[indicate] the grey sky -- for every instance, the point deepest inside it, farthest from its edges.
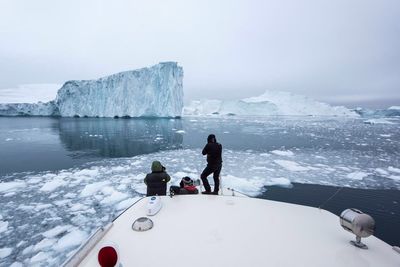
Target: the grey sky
(341, 51)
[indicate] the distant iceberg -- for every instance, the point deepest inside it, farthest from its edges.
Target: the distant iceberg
(148, 92)
(269, 103)
(29, 109)
(393, 111)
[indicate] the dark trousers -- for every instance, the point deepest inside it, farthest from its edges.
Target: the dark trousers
(216, 170)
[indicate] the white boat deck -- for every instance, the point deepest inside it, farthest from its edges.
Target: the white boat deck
(208, 230)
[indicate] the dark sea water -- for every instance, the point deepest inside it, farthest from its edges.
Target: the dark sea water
(71, 175)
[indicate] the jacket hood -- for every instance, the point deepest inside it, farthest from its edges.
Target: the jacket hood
(211, 138)
(157, 167)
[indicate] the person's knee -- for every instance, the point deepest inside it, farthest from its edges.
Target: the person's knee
(203, 176)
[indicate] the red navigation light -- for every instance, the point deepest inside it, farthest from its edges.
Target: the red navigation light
(107, 257)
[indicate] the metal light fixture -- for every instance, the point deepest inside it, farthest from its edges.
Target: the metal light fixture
(358, 223)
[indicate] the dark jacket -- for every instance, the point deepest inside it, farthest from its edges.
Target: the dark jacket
(157, 180)
(213, 150)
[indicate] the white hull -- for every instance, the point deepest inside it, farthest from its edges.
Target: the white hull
(208, 230)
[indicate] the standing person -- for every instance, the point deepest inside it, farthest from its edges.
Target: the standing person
(157, 180)
(213, 150)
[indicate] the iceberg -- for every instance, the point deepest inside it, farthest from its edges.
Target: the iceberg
(269, 103)
(29, 109)
(393, 111)
(156, 91)
(149, 92)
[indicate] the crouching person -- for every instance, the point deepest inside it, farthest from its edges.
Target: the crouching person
(186, 187)
(157, 180)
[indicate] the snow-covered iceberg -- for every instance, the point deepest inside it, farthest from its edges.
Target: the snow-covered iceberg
(269, 103)
(148, 92)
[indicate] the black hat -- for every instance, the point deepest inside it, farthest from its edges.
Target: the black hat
(187, 180)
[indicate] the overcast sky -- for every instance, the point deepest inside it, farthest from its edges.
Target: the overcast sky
(339, 51)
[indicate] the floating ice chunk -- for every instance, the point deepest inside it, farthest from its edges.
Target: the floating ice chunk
(62, 202)
(9, 139)
(344, 168)
(27, 250)
(72, 239)
(56, 231)
(114, 197)
(78, 207)
(284, 182)
(52, 185)
(20, 243)
(42, 207)
(126, 203)
(286, 153)
(180, 175)
(70, 195)
(8, 187)
(357, 175)
(394, 177)
(5, 252)
(386, 135)
(86, 173)
(378, 121)
(248, 186)
(45, 243)
(259, 168)
(393, 169)
(290, 165)
(118, 169)
(41, 256)
(381, 171)
(91, 189)
(180, 131)
(16, 264)
(3, 226)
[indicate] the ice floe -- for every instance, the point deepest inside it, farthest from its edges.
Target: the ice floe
(291, 165)
(357, 175)
(59, 229)
(287, 153)
(393, 169)
(73, 239)
(3, 226)
(5, 252)
(378, 121)
(11, 186)
(66, 206)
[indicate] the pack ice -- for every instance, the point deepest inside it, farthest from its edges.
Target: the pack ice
(269, 103)
(148, 92)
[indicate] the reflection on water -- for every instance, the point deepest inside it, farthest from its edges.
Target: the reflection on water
(40, 144)
(119, 137)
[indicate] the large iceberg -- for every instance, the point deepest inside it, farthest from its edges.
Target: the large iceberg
(269, 103)
(149, 92)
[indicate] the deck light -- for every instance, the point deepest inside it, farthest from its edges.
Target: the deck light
(358, 223)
